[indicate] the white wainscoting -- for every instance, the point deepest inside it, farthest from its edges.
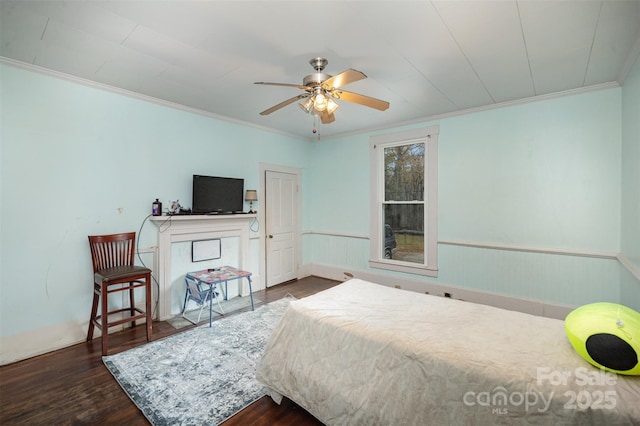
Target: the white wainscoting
(544, 281)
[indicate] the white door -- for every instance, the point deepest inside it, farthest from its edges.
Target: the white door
(281, 213)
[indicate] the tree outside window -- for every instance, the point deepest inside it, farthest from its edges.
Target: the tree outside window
(404, 200)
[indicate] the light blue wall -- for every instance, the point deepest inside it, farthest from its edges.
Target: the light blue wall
(631, 181)
(77, 161)
(543, 175)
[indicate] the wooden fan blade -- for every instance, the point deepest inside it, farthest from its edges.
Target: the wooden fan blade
(361, 99)
(326, 117)
(308, 89)
(283, 104)
(345, 77)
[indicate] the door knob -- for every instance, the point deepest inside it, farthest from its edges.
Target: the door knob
(270, 236)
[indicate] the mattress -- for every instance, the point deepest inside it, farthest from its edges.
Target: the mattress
(365, 354)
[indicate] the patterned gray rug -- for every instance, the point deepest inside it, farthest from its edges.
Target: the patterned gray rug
(201, 376)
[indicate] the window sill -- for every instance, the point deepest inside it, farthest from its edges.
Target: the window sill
(404, 267)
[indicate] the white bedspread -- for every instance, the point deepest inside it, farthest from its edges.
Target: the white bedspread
(365, 354)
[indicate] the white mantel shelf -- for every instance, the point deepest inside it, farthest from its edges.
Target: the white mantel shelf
(173, 229)
(201, 217)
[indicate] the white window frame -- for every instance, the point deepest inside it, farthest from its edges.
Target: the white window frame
(377, 144)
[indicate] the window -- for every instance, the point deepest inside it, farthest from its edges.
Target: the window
(404, 173)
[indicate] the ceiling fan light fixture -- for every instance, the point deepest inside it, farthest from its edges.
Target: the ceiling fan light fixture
(331, 106)
(306, 104)
(320, 102)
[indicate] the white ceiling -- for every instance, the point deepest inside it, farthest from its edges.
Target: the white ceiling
(426, 58)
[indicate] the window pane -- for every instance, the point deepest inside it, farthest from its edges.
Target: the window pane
(404, 232)
(404, 172)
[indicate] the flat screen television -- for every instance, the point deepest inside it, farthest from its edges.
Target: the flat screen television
(217, 195)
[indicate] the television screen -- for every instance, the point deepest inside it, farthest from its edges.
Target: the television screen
(217, 195)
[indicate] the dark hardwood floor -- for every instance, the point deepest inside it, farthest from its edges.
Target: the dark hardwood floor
(72, 386)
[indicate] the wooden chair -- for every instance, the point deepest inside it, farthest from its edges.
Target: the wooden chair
(114, 271)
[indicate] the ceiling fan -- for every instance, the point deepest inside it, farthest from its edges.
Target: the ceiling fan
(321, 89)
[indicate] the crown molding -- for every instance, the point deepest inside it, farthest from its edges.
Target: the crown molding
(422, 120)
(135, 95)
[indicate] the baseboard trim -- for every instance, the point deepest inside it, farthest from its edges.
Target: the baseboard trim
(42, 340)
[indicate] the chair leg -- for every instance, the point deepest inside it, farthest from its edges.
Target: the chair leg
(105, 320)
(94, 312)
(200, 313)
(186, 299)
(132, 303)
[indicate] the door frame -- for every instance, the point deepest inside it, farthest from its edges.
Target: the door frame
(263, 169)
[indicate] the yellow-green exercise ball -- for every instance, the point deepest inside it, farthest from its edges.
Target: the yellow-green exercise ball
(607, 335)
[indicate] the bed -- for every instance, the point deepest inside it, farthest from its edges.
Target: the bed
(366, 354)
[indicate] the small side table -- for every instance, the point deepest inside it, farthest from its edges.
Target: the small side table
(222, 274)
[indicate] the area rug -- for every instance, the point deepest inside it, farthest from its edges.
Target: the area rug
(201, 376)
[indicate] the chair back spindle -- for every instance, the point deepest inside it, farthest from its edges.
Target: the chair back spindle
(110, 251)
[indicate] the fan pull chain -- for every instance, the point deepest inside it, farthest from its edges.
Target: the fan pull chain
(316, 125)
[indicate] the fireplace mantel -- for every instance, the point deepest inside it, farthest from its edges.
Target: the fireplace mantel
(173, 229)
